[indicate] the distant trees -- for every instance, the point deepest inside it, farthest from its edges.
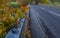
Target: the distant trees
(43, 1)
(55, 1)
(39, 1)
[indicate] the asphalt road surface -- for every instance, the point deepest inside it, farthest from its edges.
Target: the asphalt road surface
(45, 21)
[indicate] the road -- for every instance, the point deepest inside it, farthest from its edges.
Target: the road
(45, 21)
(52, 8)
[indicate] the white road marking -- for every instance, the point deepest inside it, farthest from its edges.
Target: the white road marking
(50, 11)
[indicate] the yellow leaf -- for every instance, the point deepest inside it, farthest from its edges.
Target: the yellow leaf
(0, 31)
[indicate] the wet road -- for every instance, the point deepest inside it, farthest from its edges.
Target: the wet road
(44, 21)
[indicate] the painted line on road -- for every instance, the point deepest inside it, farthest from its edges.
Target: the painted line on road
(41, 17)
(50, 11)
(37, 21)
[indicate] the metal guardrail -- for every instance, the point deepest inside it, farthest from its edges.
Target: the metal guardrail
(17, 32)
